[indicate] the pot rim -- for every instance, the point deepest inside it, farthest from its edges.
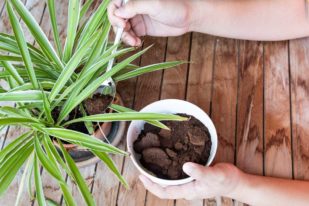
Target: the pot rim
(170, 106)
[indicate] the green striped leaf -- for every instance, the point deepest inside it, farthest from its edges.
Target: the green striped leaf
(85, 8)
(37, 32)
(38, 183)
(70, 67)
(73, 20)
(127, 116)
(21, 41)
(111, 165)
(13, 72)
(82, 139)
(93, 23)
(147, 69)
(22, 96)
(91, 88)
(11, 166)
(119, 108)
(77, 177)
(46, 162)
(53, 20)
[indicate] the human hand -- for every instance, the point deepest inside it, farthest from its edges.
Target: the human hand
(150, 17)
(219, 180)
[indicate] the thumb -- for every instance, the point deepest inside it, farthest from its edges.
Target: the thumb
(133, 8)
(197, 171)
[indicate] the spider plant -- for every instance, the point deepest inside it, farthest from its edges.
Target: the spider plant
(61, 76)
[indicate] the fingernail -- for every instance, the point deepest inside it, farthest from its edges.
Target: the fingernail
(138, 42)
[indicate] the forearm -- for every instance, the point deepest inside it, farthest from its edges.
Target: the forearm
(257, 190)
(251, 19)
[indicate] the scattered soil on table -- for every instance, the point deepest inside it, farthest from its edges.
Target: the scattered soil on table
(97, 104)
(164, 152)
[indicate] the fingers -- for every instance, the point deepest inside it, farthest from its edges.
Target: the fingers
(131, 39)
(132, 8)
(115, 20)
(170, 192)
(195, 171)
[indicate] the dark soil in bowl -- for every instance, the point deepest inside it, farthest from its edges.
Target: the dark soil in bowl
(97, 104)
(164, 152)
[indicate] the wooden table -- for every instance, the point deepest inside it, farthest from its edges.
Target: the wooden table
(256, 93)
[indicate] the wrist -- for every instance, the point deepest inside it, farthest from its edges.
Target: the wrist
(239, 184)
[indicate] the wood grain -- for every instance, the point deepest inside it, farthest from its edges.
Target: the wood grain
(147, 91)
(250, 108)
(299, 50)
(173, 87)
(277, 111)
(199, 87)
(200, 78)
(224, 101)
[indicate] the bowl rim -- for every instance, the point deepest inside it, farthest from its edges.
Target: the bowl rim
(144, 171)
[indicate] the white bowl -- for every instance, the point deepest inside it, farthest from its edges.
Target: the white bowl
(170, 106)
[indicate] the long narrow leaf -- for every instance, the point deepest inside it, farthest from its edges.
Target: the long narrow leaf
(70, 105)
(47, 110)
(128, 116)
(85, 8)
(82, 140)
(12, 167)
(84, 79)
(21, 188)
(53, 20)
(93, 23)
(119, 108)
(12, 71)
(70, 67)
(15, 121)
(21, 41)
(77, 177)
(22, 96)
(111, 165)
(73, 19)
(46, 163)
(147, 69)
(38, 183)
(15, 145)
(37, 32)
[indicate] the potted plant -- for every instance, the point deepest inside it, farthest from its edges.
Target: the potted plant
(52, 88)
(160, 154)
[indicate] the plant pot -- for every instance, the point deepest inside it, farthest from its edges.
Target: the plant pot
(113, 132)
(170, 106)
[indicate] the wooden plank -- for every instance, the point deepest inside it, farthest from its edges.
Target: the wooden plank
(173, 87)
(224, 101)
(10, 196)
(175, 82)
(147, 91)
(299, 50)
(250, 108)
(277, 111)
(200, 82)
